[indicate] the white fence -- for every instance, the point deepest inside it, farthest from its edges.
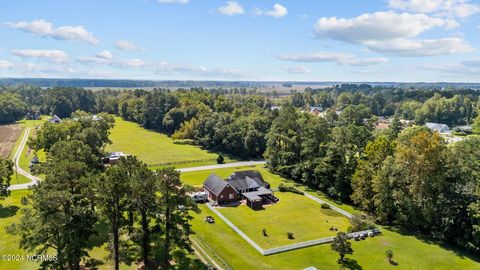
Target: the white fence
(287, 247)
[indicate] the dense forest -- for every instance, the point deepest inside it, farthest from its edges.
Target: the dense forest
(403, 176)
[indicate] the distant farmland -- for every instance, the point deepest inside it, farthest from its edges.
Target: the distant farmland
(8, 137)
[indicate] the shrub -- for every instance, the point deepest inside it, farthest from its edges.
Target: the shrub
(220, 159)
(389, 255)
(290, 235)
(264, 232)
(325, 206)
(284, 188)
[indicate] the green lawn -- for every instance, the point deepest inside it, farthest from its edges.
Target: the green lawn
(154, 147)
(293, 213)
(229, 249)
(9, 244)
(233, 252)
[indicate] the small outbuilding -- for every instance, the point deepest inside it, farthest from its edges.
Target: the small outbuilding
(55, 119)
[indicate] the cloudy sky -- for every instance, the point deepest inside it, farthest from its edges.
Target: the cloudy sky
(315, 40)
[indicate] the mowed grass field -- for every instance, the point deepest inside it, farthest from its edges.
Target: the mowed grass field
(293, 213)
(153, 147)
(232, 252)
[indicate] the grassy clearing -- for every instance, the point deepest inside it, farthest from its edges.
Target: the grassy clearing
(233, 252)
(293, 213)
(153, 147)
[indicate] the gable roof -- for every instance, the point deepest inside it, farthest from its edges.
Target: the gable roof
(215, 184)
(246, 180)
(55, 119)
(436, 126)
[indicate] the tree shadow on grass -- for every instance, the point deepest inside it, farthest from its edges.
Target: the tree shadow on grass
(9, 211)
(352, 264)
(460, 252)
(102, 236)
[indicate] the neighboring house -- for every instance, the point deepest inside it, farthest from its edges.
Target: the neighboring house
(55, 119)
(113, 158)
(316, 110)
(441, 128)
(464, 129)
(248, 185)
(219, 191)
(34, 116)
(275, 108)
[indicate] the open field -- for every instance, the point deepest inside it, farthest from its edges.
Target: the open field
(9, 135)
(153, 147)
(293, 213)
(233, 252)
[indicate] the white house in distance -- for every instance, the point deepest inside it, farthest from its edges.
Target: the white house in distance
(441, 128)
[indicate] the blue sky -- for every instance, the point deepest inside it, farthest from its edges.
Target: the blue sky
(313, 40)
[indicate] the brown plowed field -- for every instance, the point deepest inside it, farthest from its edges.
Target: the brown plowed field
(8, 136)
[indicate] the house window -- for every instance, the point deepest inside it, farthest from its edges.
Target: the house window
(231, 196)
(221, 196)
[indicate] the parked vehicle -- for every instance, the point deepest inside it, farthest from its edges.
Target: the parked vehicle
(356, 237)
(363, 236)
(199, 196)
(209, 219)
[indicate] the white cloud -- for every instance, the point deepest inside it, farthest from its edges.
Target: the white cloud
(446, 8)
(376, 26)
(278, 11)
(340, 58)
(464, 68)
(120, 63)
(126, 45)
(424, 47)
(46, 29)
(129, 63)
(392, 33)
(166, 68)
(56, 56)
(173, 1)
(104, 54)
(4, 64)
(297, 69)
(231, 8)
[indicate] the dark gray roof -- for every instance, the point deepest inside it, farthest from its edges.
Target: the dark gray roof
(246, 180)
(255, 195)
(214, 184)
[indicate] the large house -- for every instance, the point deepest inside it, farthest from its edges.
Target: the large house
(441, 128)
(246, 185)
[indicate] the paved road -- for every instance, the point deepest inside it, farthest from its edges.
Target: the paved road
(21, 171)
(192, 169)
(221, 166)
